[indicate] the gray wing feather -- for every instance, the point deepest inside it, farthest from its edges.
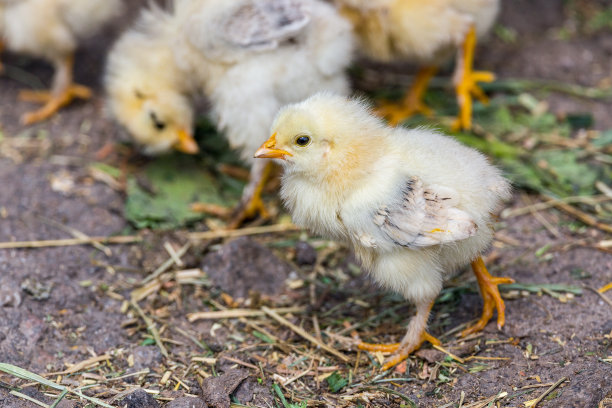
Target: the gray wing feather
(264, 24)
(424, 217)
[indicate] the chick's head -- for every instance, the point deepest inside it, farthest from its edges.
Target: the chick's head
(158, 120)
(325, 135)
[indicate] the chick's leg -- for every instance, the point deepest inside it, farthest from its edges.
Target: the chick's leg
(466, 79)
(1, 48)
(251, 202)
(61, 94)
(412, 102)
(490, 296)
(415, 336)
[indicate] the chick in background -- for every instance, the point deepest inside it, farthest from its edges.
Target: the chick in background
(254, 56)
(147, 92)
(413, 204)
(427, 32)
(51, 30)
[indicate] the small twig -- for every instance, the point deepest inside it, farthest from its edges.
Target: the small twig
(533, 403)
(151, 327)
(600, 294)
(235, 313)
(122, 239)
(242, 232)
(303, 333)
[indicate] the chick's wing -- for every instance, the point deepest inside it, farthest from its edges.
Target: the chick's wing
(246, 25)
(425, 217)
(263, 24)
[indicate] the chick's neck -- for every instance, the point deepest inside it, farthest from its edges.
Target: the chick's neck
(348, 167)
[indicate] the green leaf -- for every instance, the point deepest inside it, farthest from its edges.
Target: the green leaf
(336, 382)
(177, 182)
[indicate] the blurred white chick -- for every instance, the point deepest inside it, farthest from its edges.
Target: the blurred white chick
(147, 92)
(415, 205)
(427, 32)
(51, 30)
(254, 56)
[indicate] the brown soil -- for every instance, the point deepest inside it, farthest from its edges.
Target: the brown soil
(63, 305)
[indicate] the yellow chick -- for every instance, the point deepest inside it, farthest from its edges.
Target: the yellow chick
(255, 56)
(146, 91)
(414, 205)
(51, 30)
(427, 32)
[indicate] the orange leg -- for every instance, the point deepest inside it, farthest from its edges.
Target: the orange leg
(412, 102)
(251, 202)
(605, 288)
(466, 81)
(414, 338)
(1, 48)
(491, 297)
(61, 94)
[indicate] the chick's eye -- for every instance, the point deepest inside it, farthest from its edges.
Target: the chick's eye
(159, 125)
(302, 140)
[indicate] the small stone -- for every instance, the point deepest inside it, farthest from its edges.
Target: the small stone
(186, 402)
(139, 399)
(305, 254)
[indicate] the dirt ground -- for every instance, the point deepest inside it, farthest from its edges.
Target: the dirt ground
(60, 306)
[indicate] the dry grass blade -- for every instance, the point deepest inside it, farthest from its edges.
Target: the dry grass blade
(27, 375)
(236, 313)
(448, 353)
(168, 263)
(485, 402)
(82, 365)
(28, 398)
(509, 213)
(534, 402)
(123, 239)
(243, 232)
(77, 234)
(582, 216)
(151, 327)
(601, 295)
(304, 334)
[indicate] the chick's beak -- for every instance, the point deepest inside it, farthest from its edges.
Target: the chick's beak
(186, 143)
(268, 150)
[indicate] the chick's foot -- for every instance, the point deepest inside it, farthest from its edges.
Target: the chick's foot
(412, 102)
(414, 338)
(466, 82)
(491, 298)
(52, 102)
(401, 352)
(251, 203)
